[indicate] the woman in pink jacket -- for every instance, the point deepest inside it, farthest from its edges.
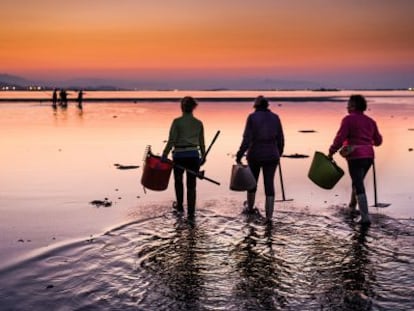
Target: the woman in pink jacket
(355, 139)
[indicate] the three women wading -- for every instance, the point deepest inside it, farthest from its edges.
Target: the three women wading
(263, 143)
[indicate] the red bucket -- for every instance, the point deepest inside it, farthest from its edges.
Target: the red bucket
(156, 174)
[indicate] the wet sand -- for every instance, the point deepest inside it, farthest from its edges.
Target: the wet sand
(305, 261)
(54, 163)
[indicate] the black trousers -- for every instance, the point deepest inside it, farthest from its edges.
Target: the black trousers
(268, 169)
(358, 169)
(192, 164)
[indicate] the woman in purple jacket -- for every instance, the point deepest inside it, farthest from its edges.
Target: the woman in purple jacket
(264, 142)
(355, 139)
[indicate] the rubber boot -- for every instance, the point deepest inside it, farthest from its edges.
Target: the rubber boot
(363, 208)
(191, 202)
(269, 206)
(353, 201)
(179, 194)
(249, 204)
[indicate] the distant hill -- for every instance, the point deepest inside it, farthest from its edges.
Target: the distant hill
(16, 81)
(20, 83)
(199, 83)
(88, 84)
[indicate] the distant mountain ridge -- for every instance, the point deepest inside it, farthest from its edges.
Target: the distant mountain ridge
(20, 83)
(154, 84)
(12, 80)
(197, 83)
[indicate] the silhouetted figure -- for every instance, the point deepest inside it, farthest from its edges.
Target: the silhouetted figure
(354, 140)
(63, 98)
(54, 99)
(80, 99)
(187, 138)
(263, 139)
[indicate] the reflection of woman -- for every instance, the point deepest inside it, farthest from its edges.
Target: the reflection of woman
(358, 272)
(260, 283)
(80, 99)
(177, 263)
(264, 142)
(356, 136)
(54, 99)
(187, 138)
(186, 279)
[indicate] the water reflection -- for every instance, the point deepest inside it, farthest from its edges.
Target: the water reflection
(176, 263)
(353, 277)
(303, 262)
(259, 282)
(358, 272)
(80, 113)
(60, 114)
(188, 282)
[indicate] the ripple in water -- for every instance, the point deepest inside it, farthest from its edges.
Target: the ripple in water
(303, 262)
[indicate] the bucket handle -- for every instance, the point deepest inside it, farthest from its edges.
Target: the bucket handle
(336, 166)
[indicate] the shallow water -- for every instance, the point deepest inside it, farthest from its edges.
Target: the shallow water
(303, 262)
(54, 163)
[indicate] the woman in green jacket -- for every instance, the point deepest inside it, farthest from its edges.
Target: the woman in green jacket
(186, 138)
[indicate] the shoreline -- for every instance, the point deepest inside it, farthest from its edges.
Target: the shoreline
(202, 96)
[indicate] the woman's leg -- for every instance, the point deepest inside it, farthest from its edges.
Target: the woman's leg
(358, 169)
(192, 164)
(353, 201)
(179, 188)
(269, 169)
(251, 194)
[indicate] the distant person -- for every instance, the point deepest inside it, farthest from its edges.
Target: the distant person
(54, 99)
(63, 98)
(80, 99)
(186, 136)
(355, 139)
(264, 142)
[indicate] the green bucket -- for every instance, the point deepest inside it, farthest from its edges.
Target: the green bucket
(324, 171)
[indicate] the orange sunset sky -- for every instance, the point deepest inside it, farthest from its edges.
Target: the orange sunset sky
(344, 43)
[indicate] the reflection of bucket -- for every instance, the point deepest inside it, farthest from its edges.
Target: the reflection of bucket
(242, 178)
(156, 174)
(324, 172)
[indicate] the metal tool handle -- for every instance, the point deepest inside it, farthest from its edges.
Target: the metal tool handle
(209, 147)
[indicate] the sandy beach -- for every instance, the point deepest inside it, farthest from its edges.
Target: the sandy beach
(55, 162)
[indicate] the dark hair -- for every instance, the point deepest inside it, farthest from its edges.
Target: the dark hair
(188, 104)
(359, 102)
(261, 102)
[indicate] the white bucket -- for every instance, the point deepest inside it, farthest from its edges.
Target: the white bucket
(242, 178)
